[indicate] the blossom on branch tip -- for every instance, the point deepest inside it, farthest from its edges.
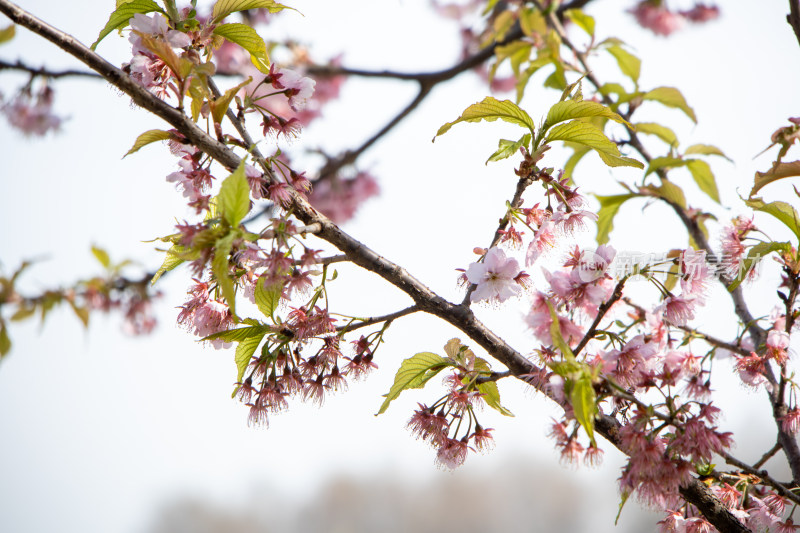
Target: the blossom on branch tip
(494, 277)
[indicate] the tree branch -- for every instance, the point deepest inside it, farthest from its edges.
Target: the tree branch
(43, 71)
(364, 322)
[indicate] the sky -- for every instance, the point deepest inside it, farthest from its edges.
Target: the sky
(100, 429)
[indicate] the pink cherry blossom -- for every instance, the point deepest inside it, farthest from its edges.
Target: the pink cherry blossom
(654, 16)
(494, 277)
(32, 116)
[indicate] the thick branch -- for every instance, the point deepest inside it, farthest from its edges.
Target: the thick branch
(793, 18)
(425, 299)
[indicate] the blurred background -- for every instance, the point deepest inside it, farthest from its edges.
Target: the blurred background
(102, 432)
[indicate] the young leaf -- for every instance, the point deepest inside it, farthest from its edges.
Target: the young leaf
(219, 265)
(609, 206)
(233, 201)
(670, 97)
(701, 172)
(247, 38)
(413, 373)
(591, 136)
(629, 64)
(579, 150)
(584, 403)
(268, 298)
(705, 149)
(81, 312)
(6, 34)
(555, 333)
(508, 148)
(5, 341)
(171, 260)
(780, 210)
(662, 132)
(244, 351)
(223, 8)
(581, 19)
(668, 191)
(101, 256)
(491, 395)
(150, 136)
(570, 109)
(779, 171)
(664, 162)
(754, 256)
(219, 106)
(123, 14)
(238, 334)
(490, 109)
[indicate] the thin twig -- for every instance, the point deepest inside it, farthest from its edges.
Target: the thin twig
(364, 322)
(779, 487)
(45, 72)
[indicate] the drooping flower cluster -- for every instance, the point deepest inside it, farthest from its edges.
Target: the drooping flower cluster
(655, 16)
(32, 115)
(450, 424)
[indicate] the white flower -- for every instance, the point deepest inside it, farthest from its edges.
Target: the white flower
(494, 277)
(300, 87)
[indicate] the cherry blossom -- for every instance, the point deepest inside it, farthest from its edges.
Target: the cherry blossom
(494, 277)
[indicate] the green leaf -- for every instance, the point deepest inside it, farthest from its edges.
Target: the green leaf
(570, 109)
(780, 210)
(668, 191)
(662, 132)
(609, 206)
(664, 162)
(591, 136)
(490, 109)
(491, 395)
(413, 373)
(584, 403)
(582, 20)
(244, 351)
(701, 172)
(619, 161)
(247, 38)
(233, 201)
(23, 312)
(516, 52)
(555, 333)
(705, 149)
(506, 148)
(123, 14)
(238, 334)
(219, 106)
(81, 312)
(6, 34)
(5, 341)
(102, 256)
(670, 97)
(223, 8)
(219, 265)
(778, 171)
(624, 498)
(171, 260)
(629, 64)
(579, 151)
(150, 136)
(754, 256)
(268, 298)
